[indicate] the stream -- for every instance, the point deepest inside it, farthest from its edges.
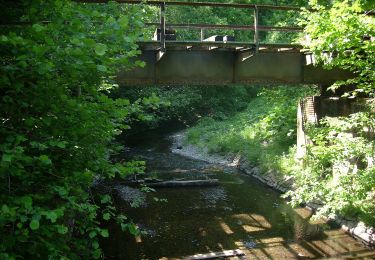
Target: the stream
(239, 213)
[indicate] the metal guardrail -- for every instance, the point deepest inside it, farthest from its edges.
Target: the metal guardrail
(212, 4)
(256, 27)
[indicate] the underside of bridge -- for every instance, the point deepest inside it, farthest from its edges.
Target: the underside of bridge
(225, 63)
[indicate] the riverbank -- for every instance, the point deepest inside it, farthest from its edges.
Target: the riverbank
(270, 178)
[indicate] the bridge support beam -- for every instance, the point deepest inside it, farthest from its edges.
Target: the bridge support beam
(222, 67)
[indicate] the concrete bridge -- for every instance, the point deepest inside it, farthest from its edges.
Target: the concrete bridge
(224, 63)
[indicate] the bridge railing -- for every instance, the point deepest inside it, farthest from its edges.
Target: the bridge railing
(162, 24)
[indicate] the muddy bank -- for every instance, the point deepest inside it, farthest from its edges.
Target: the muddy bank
(271, 178)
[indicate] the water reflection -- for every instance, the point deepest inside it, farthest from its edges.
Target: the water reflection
(239, 214)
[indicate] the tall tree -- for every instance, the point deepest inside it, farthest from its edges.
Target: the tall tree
(57, 124)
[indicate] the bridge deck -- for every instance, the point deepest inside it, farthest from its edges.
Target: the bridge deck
(219, 46)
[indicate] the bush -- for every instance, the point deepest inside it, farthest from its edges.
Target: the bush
(340, 172)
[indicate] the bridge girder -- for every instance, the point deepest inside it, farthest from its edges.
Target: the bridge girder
(226, 66)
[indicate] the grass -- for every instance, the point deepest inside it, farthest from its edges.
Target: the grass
(263, 133)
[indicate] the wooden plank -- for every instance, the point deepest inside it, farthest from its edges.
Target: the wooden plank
(213, 255)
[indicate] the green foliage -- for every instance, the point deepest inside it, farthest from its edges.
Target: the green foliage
(261, 133)
(57, 124)
(339, 168)
(340, 171)
(186, 104)
(342, 36)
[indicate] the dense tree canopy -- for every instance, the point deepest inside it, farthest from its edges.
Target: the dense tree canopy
(342, 35)
(57, 124)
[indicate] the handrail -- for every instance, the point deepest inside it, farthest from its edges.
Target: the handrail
(212, 4)
(227, 26)
(163, 25)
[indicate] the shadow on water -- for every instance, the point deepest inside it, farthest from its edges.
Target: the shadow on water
(240, 213)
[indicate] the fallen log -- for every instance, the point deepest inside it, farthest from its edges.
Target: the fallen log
(190, 183)
(215, 255)
(139, 182)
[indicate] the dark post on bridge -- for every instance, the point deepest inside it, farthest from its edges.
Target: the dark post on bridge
(162, 27)
(256, 29)
(222, 59)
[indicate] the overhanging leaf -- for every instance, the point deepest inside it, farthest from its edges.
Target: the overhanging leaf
(104, 233)
(100, 49)
(34, 224)
(101, 68)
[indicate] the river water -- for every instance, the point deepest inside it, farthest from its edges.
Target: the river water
(239, 213)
